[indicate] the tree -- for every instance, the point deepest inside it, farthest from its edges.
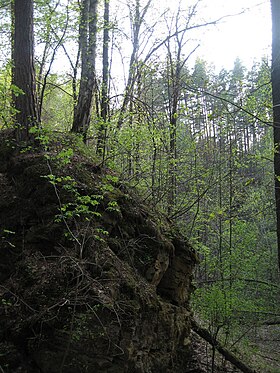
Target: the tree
(23, 73)
(52, 20)
(87, 41)
(105, 80)
(137, 18)
(275, 77)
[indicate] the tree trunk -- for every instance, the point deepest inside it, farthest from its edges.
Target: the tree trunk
(275, 77)
(105, 81)
(88, 30)
(23, 72)
(136, 22)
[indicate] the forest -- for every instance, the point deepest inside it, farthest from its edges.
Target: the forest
(121, 83)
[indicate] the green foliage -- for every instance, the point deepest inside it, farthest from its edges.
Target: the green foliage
(6, 90)
(81, 206)
(64, 156)
(113, 206)
(58, 103)
(42, 135)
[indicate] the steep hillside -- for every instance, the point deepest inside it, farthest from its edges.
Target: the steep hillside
(91, 280)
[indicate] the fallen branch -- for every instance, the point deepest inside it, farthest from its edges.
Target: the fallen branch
(204, 333)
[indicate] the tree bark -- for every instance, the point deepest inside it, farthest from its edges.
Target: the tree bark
(23, 71)
(105, 81)
(275, 77)
(88, 31)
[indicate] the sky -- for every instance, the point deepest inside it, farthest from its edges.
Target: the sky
(247, 36)
(244, 32)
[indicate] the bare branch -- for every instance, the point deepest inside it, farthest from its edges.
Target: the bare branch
(187, 28)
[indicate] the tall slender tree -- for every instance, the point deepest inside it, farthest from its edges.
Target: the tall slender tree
(105, 80)
(87, 40)
(275, 77)
(23, 73)
(137, 18)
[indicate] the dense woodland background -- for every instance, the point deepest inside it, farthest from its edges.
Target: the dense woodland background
(196, 143)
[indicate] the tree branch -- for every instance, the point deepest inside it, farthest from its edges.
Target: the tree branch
(187, 28)
(229, 356)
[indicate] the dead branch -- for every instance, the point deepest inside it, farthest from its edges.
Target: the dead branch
(229, 356)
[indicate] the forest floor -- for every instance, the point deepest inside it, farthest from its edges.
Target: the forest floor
(266, 340)
(262, 352)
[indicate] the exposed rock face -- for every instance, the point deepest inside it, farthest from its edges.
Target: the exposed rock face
(103, 290)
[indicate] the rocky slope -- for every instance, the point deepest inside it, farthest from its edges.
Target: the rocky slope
(91, 280)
